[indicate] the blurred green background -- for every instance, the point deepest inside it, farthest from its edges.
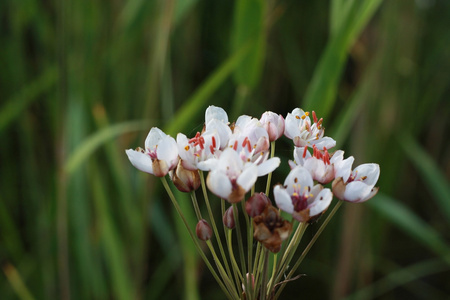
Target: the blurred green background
(80, 81)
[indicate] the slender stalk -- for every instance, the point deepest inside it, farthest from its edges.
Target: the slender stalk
(269, 177)
(195, 204)
(264, 276)
(213, 223)
(194, 239)
(240, 246)
(309, 246)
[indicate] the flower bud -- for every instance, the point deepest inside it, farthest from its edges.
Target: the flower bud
(185, 180)
(274, 124)
(228, 218)
(256, 204)
(203, 230)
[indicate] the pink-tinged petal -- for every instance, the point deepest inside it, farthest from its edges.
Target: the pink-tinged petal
(356, 191)
(219, 184)
(168, 151)
(298, 155)
(230, 162)
(370, 171)
(153, 137)
(299, 176)
(140, 160)
(243, 121)
(326, 142)
(321, 202)
(268, 166)
(222, 130)
(208, 165)
(283, 199)
(316, 168)
(337, 157)
(248, 177)
(291, 128)
(344, 168)
(215, 112)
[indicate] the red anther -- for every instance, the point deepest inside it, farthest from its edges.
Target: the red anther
(235, 145)
(211, 148)
(304, 152)
(326, 156)
(201, 142)
(314, 116)
(246, 142)
(213, 142)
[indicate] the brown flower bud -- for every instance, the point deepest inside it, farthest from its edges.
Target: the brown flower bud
(203, 230)
(185, 180)
(256, 204)
(270, 229)
(228, 218)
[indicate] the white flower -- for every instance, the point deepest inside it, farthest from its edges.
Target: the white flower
(274, 125)
(230, 178)
(216, 122)
(320, 164)
(251, 141)
(298, 128)
(159, 156)
(197, 149)
(357, 185)
(300, 198)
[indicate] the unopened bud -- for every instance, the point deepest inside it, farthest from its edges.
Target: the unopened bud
(203, 230)
(228, 218)
(274, 124)
(185, 180)
(256, 204)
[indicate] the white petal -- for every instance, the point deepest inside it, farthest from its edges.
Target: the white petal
(208, 165)
(356, 191)
(153, 138)
(248, 177)
(221, 129)
(338, 156)
(299, 176)
(283, 200)
(230, 162)
(168, 151)
(219, 184)
(268, 166)
(326, 142)
(321, 202)
(243, 121)
(215, 112)
(291, 129)
(371, 171)
(344, 168)
(140, 160)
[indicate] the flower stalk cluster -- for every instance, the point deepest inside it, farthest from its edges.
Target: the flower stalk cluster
(260, 234)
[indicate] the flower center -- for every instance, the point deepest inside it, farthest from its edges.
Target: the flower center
(300, 198)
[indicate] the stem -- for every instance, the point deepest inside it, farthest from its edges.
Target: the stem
(213, 223)
(240, 245)
(264, 276)
(269, 177)
(309, 246)
(196, 243)
(195, 204)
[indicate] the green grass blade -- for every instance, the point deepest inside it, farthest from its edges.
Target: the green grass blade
(436, 181)
(248, 24)
(93, 142)
(196, 103)
(402, 217)
(321, 93)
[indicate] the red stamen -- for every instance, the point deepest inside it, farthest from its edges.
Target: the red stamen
(211, 148)
(235, 145)
(213, 142)
(304, 152)
(314, 116)
(247, 143)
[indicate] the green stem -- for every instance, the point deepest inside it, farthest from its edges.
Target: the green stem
(269, 177)
(264, 276)
(213, 223)
(240, 245)
(195, 204)
(196, 243)
(309, 246)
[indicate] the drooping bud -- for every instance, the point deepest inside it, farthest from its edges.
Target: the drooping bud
(185, 180)
(274, 124)
(203, 230)
(228, 218)
(256, 204)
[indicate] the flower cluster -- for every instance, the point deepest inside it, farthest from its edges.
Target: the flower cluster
(235, 155)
